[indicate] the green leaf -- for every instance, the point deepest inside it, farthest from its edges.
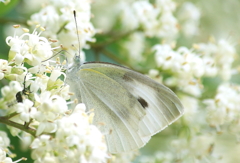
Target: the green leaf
(6, 8)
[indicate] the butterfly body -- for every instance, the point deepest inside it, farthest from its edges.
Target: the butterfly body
(130, 106)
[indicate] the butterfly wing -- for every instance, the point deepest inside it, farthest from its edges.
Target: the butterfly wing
(129, 107)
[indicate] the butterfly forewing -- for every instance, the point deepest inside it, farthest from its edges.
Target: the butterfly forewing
(129, 107)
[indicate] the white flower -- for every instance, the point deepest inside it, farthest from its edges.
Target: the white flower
(4, 68)
(26, 140)
(64, 92)
(9, 92)
(128, 16)
(146, 13)
(3, 158)
(136, 42)
(225, 107)
(193, 147)
(123, 157)
(179, 145)
(169, 28)
(199, 145)
(156, 20)
(166, 58)
(39, 83)
(4, 140)
(222, 55)
(55, 74)
(26, 110)
(191, 86)
(75, 140)
(47, 127)
(9, 97)
(166, 5)
(30, 48)
(49, 107)
(192, 64)
(189, 17)
(48, 18)
(191, 106)
(57, 18)
(210, 69)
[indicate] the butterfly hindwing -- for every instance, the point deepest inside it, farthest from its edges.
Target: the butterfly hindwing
(117, 112)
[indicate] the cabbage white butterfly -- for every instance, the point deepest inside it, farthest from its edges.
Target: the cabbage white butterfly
(129, 107)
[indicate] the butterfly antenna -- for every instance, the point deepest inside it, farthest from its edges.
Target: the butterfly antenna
(53, 56)
(75, 19)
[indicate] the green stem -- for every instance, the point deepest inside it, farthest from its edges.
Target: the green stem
(111, 40)
(62, 27)
(101, 47)
(28, 123)
(11, 115)
(5, 21)
(113, 57)
(5, 120)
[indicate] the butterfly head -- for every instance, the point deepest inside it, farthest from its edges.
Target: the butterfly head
(75, 66)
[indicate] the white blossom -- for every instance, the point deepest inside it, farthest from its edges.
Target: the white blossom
(30, 48)
(4, 140)
(3, 157)
(8, 99)
(26, 110)
(76, 140)
(224, 108)
(189, 16)
(57, 17)
(136, 41)
(222, 53)
(187, 65)
(49, 107)
(4, 68)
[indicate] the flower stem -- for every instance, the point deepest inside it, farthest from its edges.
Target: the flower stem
(113, 57)
(112, 40)
(5, 21)
(5, 120)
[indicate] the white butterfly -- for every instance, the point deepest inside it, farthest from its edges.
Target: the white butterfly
(129, 106)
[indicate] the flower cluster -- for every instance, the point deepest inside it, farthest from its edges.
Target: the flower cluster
(189, 65)
(57, 17)
(154, 19)
(75, 140)
(160, 19)
(29, 48)
(35, 102)
(5, 153)
(189, 16)
(224, 108)
(222, 52)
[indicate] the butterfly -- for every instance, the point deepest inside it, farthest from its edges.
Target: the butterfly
(129, 107)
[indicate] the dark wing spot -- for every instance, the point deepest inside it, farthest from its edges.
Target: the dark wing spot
(143, 102)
